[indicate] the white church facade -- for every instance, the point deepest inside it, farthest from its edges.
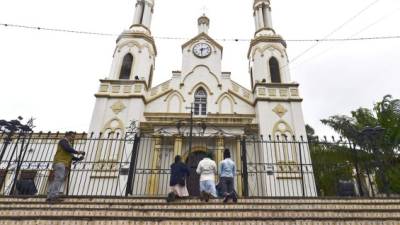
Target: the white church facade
(201, 101)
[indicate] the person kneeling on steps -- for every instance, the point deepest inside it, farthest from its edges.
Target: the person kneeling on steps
(227, 170)
(177, 183)
(207, 169)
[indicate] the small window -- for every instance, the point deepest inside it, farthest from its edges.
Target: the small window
(274, 70)
(126, 67)
(200, 102)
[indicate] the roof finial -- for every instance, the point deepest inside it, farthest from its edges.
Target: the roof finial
(203, 23)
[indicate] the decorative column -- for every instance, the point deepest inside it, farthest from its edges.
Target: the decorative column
(178, 145)
(260, 17)
(256, 21)
(239, 167)
(267, 17)
(138, 12)
(147, 15)
(155, 166)
(219, 148)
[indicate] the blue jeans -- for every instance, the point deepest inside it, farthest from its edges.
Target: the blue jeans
(209, 187)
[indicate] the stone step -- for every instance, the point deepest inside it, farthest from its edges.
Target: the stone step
(130, 200)
(201, 213)
(195, 206)
(269, 211)
(166, 221)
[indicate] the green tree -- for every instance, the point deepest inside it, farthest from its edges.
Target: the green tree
(386, 114)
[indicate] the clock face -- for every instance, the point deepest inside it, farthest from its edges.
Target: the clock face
(202, 50)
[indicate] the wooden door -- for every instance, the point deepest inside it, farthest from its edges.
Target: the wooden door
(193, 182)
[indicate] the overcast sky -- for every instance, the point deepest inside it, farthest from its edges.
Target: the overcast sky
(53, 76)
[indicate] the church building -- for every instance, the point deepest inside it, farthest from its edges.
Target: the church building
(200, 108)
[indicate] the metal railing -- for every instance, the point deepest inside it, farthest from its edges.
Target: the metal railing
(132, 165)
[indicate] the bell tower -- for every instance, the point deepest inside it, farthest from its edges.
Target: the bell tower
(134, 55)
(277, 99)
(277, 105)
(121, 96)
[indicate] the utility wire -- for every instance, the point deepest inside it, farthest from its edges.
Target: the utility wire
(182, 38)
(352, 36)
(55, 29)
(334, 31)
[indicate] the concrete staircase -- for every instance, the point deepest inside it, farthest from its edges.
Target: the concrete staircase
(275, 211)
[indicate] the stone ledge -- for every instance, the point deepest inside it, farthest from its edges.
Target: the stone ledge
(119, 200)
(219, 220)
(200, 214)
(200, 206)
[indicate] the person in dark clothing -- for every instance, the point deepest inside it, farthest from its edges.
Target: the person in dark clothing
(179, 172)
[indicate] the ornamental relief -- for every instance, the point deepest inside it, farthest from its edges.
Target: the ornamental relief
(283, 92)
(104, 88)
(115, 88)
(261, 92)
(138, 88)
(272, 92)
(280, 110)
(118, 107)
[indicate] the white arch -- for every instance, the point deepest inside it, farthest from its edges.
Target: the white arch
(198, 66)
(204, 86)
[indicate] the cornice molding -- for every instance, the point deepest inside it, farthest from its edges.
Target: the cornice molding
(124, 82)
(132, 34)
(265, 39)
(120, 96)
(240, 97)
(276, 85)
(266, 99)
(202, 35)
(158, 96)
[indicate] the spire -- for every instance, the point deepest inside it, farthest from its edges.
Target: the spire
(143, 13)
(204, 24)
(262, 15)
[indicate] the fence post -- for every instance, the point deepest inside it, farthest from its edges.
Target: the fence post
(24, 149)
(132, 165)
(245, 176)
(301, 168)
(7, 141)
(355, 155)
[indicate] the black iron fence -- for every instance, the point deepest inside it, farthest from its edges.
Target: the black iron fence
(132, 165)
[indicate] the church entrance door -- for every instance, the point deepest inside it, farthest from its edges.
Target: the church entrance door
(193, 182)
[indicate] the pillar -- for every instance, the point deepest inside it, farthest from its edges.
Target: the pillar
(256, 21)
(155, 166)
(138, 13)
(178, 145)
(260, 18)
(267, 17)
(239, 167)
(220, 148)
(147, 15)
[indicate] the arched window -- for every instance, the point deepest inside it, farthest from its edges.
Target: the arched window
(151, 76)
(200, 102)
(251, 77)
(126, 67)
(274, 69)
